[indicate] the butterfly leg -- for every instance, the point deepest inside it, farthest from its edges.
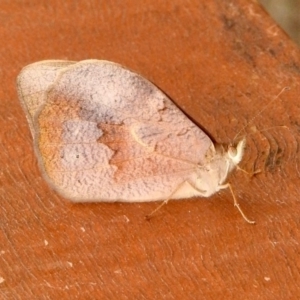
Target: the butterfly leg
(172, 194)
(236, 204)
(251, 174)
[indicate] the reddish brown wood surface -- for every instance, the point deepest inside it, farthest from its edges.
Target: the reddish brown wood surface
(221, 62)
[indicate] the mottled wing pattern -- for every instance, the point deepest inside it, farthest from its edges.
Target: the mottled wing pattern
(105, 133)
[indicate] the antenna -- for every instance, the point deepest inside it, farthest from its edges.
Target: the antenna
(259, 113)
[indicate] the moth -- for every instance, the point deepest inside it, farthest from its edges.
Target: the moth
(103, 133)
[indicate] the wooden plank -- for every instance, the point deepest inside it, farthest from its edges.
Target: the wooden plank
(221, 62)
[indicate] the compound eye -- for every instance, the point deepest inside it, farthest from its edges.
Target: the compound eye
(232, 152)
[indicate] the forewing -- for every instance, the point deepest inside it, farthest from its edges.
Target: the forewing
(107, 134)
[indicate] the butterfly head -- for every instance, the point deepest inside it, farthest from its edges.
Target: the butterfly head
(235, 153)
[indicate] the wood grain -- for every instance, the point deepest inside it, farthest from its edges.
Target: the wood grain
(221, 62)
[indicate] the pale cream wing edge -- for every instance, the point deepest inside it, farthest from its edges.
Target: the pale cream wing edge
(33, 82)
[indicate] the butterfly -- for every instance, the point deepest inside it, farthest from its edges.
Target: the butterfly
(103, 133)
